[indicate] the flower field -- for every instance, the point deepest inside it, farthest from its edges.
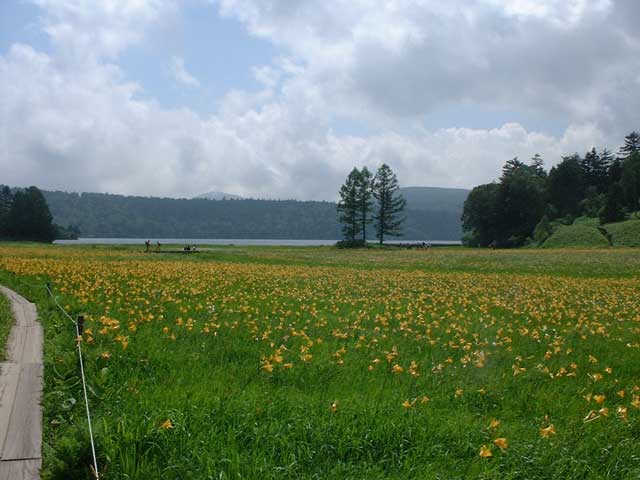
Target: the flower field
(319, 363)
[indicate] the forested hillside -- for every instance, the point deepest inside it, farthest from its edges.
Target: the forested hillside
(106, 215)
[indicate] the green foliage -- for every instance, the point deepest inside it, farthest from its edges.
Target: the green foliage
(28, 217)
(481, 215)
(357, 243)
(630, 181)
(543, 230)
(613, 209)
(631, 145)
(595, 186)
(6, 322)
(521, 200)
(624, 234)
(363, 198)
(566, 186)
(348, 207)
(390, 204)
(576, 236)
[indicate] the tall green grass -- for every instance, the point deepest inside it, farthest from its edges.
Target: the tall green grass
(6, 322)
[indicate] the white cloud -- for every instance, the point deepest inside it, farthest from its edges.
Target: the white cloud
(180, 73)
(71, 119)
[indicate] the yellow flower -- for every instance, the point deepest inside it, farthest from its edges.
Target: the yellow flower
(167, 425)
(622, 412)
(397, 368)
(407, 404)
(424, 400)
(494, 423)
(267, 367)
(547, 431)
(106, 355)
(333, 408)
(599, 399)
(621, 393)
(501, 442)
(635, 403)
(485, 451)
(459, 392)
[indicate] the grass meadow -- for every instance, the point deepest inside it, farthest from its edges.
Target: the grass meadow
(318, 363)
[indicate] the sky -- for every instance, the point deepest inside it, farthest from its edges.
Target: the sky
(282, 98)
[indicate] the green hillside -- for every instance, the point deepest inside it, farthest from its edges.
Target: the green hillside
(578, 236)
(624, 234)
(431, 214)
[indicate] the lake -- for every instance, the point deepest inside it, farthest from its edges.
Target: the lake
(229, 241)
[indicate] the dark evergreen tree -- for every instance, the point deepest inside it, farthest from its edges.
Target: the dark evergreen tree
(630, 181)
(613, 210)
(595, 170)
(390, 204)
(481, 215)
(522, 203)
(29, 217)
(537, 164)
(631, 145)
(6, 200)
(349, 206)
(364, 199)
(566, 186)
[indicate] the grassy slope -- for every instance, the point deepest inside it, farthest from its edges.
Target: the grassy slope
(624, 234)
(6, 322)
(579, 236)
(232, 420)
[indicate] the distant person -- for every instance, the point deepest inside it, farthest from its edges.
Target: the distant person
(158, 245)
(187, 248)
(147, 245)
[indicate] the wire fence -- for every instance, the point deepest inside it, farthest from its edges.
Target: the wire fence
(84, 380)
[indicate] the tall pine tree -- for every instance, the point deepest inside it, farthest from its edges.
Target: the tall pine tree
(365, 202)
(349, 207)
(631, 145)
(387, 219)
(30, 218)
(6, 200)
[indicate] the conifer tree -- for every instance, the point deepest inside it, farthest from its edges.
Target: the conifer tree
(349, 207)
(30, 218)
(364, 200)
(631, 145)
(387, 219)
(6, 200)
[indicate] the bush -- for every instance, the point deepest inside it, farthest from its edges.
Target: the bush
(351, 244)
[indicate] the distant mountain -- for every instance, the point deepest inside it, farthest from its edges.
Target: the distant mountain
(219, 196)
(431, 214)
(435, 198)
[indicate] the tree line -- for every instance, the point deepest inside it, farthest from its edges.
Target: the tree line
(25, 215)
(367, 198)
(521, 206)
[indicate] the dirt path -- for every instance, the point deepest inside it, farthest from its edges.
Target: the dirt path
(20, 394)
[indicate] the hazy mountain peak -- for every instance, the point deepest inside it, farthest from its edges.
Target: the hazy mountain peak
(213, 195)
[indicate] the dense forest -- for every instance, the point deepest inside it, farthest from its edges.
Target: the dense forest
(432, 214)
(528, 204)
(25, 215)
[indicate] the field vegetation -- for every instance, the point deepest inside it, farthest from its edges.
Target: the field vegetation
(324, 363)
(6, 322)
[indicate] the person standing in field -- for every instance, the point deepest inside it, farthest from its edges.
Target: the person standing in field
(147, 245)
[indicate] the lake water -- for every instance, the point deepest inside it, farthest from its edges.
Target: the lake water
(228, 241)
